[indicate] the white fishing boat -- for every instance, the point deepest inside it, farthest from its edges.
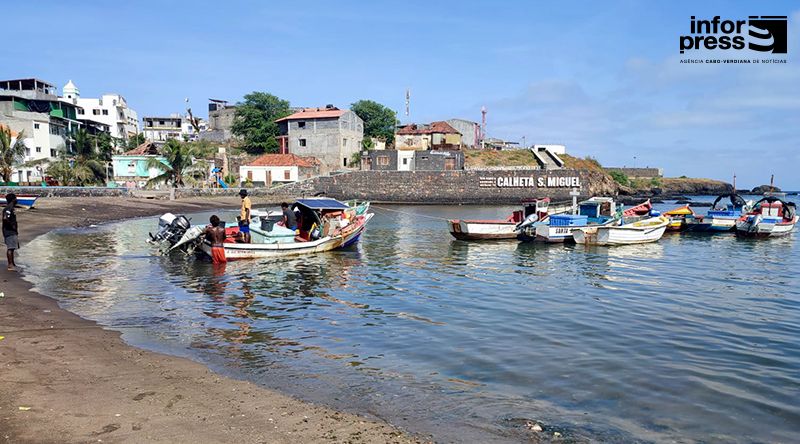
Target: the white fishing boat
(647, 230)
(324, 224)
(770, 217)
(483, 229)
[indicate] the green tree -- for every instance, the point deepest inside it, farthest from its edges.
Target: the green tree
(379, 121)
(134, 141)
(620, 177)
(11, 154)
(179, 167)
(254, 121)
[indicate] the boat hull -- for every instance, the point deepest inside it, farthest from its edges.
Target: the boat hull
(762, 228)
(636, 233)
(482, 229)
(23, 201)
(238, 251)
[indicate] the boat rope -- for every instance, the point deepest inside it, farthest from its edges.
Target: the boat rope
(409, 213)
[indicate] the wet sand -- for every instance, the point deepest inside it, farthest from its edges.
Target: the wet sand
(65, 379)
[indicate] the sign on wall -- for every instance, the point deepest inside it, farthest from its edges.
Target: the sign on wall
(530, 182)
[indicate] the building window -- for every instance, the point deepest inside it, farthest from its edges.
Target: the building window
(287, 174)
(302, 142)
(384, 160)
(344, 161)
(27, 151)
(52, 153)
(35, 126)
(301, 124)
(105, 112)
(405, 161)
(161, 122)
(80, 111)
(344, 142)
(38, 149)
(95, 112)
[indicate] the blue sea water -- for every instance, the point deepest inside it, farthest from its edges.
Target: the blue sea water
(693, 338)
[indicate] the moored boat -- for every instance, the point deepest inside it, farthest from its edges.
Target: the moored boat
(770, 217)
(559, 228)
(720, 218)
(642, 231)
(23, 200)
(677, 217)
(324, 224)
(481, 229)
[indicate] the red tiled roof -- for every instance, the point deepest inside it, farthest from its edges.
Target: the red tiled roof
(434, 127)
(314, 113)
(147, 148)
(284, 160)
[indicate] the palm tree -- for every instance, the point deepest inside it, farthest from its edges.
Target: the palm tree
(178, 167)
(11, 154)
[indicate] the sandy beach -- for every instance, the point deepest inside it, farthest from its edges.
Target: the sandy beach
(65, 379)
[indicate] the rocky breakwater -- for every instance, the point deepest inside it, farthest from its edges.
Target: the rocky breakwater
(666, 188)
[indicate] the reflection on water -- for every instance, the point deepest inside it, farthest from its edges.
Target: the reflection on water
(691, 338)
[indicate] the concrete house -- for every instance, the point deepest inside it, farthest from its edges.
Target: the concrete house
(282, 168)
(470, 132)
(33, 107)
(329, 134)
(161, 129)
(130, 168)
(414, 160)
(110, 109)
(433, 136)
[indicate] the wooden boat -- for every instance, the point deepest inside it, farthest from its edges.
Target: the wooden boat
(770, 217)
(643, 231)
(720, 218)
(325, 224)
(677, 217)
(559, 228)
(477, 229)
(23, 200)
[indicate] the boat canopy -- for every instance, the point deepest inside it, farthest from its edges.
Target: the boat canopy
(322, 204)
(789, 208)
(736, 200)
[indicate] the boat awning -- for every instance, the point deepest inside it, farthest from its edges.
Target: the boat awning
(322, 204)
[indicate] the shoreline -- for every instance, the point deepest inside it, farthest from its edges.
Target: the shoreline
(68, 379)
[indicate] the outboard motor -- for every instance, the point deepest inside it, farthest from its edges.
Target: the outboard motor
(171, 229)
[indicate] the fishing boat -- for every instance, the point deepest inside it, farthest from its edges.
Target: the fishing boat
(677, 217)
(23, 200)
(770, 216)
(324, 224)
(559, 227)
(720, 218)
(650, 229)
(482, 229)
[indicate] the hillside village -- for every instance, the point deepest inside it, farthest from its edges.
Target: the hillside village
(60, 130)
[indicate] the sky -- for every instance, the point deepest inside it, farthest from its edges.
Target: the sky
(602, 78)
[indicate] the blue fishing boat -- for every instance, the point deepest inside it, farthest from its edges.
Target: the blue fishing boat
(23, 200)
(720, 218)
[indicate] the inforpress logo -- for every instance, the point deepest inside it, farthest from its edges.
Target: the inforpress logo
(767, 33)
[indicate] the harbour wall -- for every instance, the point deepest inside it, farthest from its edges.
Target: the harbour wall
(435, 187)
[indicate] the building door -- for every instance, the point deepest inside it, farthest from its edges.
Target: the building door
(449, 164)
(268, 180)
(250, 175)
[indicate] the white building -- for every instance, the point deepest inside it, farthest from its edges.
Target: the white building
(161, 129)
(110, 109)
(188, 131)
(280, 168)
(31, 106)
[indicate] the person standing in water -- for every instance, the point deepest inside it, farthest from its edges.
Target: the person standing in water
(244, 217)
(216, 235)
(10, 230)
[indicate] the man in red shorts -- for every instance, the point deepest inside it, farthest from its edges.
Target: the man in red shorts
(216, 235)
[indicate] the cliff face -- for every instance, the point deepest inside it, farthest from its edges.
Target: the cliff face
(679, 186)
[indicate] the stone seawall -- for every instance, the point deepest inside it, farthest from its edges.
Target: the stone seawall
(456, 187)
(435, 187)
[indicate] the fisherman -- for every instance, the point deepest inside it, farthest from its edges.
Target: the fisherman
(244, 217)
(216, 235)
(10, 232)
(289, 218)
